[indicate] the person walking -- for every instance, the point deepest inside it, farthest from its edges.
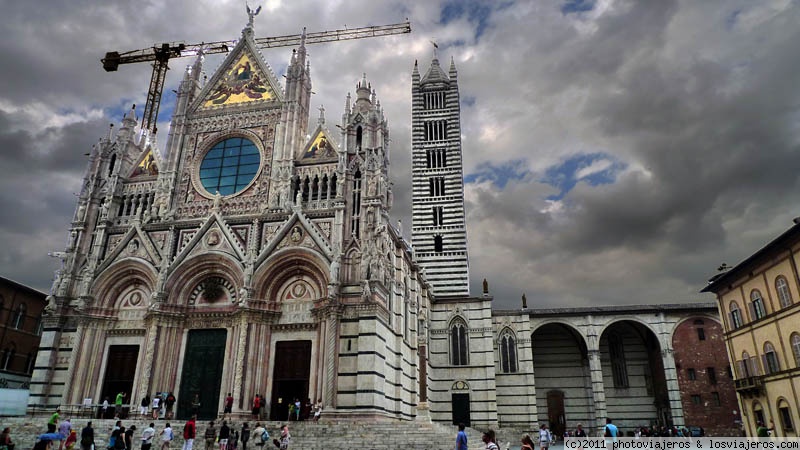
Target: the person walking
(5, 439)
(259, 436)
(147, 436)
(228, 408)
(52, 424)
(170, 402)
(87, 437)
(545, 437)
(129, 437)
(461, 438)
(189, 433)
(286, 438)
(224, 435)
(488, 439)
(210, 436)
(144, 404)
(245, 435)
(166, 436)
(156, 406)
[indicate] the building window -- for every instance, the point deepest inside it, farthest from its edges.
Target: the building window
(736, 316)
(796, 348)
(434, 100)
(757, 310)
(436, 186)
(712, 375)
(355, 224)
(229, 166)
(758, 412)
(696, 399)
(786, 416)
(435, 130)
(729, 371)
(458, 344)
(715, 398)
(8, 356)
(19, 318)
(619, 369)
(438, 245)
(691, 374)
(436, 158)
(770, 359)
(701, 334)
(30, 362)
(508, 353)
(784, 294)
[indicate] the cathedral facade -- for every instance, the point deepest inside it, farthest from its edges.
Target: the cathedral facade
(256, 256)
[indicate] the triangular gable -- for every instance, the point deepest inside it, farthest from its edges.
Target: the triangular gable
(147, 165)
(242, 78)
(135, 244)
(215, 235)
(320, 148)
(297, 231)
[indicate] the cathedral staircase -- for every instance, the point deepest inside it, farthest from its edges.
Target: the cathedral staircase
(322, 435)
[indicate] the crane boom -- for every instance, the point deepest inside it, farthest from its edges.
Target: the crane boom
(161, 54)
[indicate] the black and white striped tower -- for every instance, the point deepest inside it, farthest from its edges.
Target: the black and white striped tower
(439, 232)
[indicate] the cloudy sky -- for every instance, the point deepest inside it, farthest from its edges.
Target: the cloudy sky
(616, 152)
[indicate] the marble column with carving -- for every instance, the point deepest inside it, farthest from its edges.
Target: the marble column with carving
(73, 359)
(331, 350)
(147, 369)
(241, 354)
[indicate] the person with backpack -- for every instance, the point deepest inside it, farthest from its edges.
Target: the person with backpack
(170, 403)
(260, 435)
(166, 436)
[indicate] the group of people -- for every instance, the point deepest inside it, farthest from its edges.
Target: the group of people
(545, 437)
(297, 410)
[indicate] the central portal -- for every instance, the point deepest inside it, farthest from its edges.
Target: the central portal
(290, 376)
(202, 374)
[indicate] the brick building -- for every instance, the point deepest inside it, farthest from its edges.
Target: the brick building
(708, 395)
(20, 330)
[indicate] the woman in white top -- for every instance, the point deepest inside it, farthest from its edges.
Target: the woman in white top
(545, 437)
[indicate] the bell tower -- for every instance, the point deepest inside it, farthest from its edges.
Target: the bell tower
(439, 232)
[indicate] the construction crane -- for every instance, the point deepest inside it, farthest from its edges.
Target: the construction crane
(161, 54)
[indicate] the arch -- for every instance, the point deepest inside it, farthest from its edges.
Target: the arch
(758, 412)
(459, 341)
(771, 362)
(112, 282)
(795, 340)
(785, 414)
(571, 328)
(696, 319)
(271, 277)
(193, 271)
(784, 294)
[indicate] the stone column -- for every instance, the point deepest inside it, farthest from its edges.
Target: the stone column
(673, 389)
(73, 359)
(331, 350)
(146, 375)
(240, 356)
(598, 388)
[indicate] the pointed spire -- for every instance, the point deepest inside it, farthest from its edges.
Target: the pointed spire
(452, 67)
(347, 104)
(110, 135)
(321, 119)
(129, 117)
(301, 50)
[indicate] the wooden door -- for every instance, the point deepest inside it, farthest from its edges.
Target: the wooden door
(460, 405)
(289, 376)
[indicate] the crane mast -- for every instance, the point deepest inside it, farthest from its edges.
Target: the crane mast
(160, 55)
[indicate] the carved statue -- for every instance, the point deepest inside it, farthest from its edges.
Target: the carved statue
(104, 210)
(485, 286)
(335, 270)
(217, 201)
(367, 293)
(251, 14)
(50, 307)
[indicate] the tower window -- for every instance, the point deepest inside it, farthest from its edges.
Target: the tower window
(434, 100)
(436, 186)
(356, 203)
(438, 246)
(508, 353)
(438, 216)
(701, 334)
(712, 375)
(111, 164)
(435, 130)
(359, 137)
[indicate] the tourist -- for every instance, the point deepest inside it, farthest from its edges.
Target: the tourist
(118, 401)
(262, 403)
(210, 435)
(610, 430)
(5, 439)
(318, 410)
(291, 410)
(579, 432)
(488, 439)
(117, 439)
(189, 433)
(224, 435)
(256, 406)
(156, 406)
(166, 437)
(170, 402)
(461, 438)
(195, 404)
(527, 443)
(144, 404)
(147, 436)
(87, 437)
(104, 409)
(285, 437)
(245, 435)
(64, 430)
(258, 435)
(545, 437)
(52, 424)
(45, 441)
(129, 437)
(228, 407)
(72, 439)
(306, 414)
(233, 440)
(297, 407)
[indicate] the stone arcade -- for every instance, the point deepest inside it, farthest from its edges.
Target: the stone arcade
(252, 259)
